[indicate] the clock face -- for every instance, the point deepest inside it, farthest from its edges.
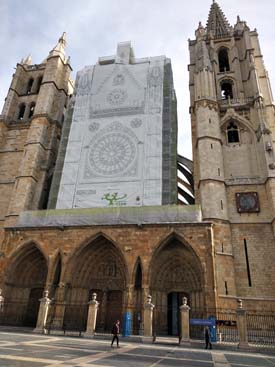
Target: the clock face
(247, 202)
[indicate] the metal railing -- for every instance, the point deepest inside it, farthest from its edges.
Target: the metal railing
(261, 328)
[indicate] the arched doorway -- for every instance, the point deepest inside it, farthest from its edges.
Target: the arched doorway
(99, 267)
(24, 285)
(137, 304)
(175, 273)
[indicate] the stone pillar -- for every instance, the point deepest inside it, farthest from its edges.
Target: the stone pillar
(1, 307)
(1, 301)
(184, 336)
(242, 325)
(59, 304)
(92, 314)
(43, 314)
(148, 320)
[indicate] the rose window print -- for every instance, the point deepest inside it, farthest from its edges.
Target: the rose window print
(93, 126)
(135, 123)
(112, 153)
(116, 97)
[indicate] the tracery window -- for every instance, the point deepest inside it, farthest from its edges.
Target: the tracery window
(233, 135)
(38, 85)
(227, 89)
(223, 60)
(21, 113)
(32, 107)
(29, 86)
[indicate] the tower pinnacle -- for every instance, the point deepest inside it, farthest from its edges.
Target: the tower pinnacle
(59, 49)
(217, 23)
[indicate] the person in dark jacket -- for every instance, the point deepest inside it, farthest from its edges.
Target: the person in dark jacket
(115, 332)
(207, 336)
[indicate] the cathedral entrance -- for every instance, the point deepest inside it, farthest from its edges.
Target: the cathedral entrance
(33, 306)
(174, 301)
(110, 308)
(97, 268)
(175, 273)
(24, 285)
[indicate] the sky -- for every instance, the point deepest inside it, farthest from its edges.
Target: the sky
(94, 27)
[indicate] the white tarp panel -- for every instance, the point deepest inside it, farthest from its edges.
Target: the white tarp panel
(114, 151)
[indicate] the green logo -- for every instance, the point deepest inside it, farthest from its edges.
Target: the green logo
(113, 199)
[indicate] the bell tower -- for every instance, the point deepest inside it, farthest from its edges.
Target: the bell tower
(233, 122)
(30, 129)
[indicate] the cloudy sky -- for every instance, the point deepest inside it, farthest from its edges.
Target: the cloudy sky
(94, 27)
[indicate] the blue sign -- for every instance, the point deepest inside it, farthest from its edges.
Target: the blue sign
(127, 320)
(213, 331)
(211, 322)
(203, 322)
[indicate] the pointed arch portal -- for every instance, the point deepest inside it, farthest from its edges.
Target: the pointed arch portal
(25, 281)
(175, 272)
(98, 267)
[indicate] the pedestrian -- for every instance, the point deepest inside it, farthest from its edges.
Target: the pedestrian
(115, 332)
(207, 336)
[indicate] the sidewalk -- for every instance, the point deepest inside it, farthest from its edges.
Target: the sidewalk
(160, 340)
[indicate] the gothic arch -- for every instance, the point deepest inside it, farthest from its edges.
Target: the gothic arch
(24, 246)
(137, 296)
(247, 134)
(175, 242)
(223, 57)
(248, 163)
(175, 271)
(99, 266)
(57, 267)
(227, 87)
(239, 119)
(137, 264)
(25, 280)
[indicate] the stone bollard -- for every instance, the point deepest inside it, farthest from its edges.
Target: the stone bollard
(59, 308)
(242, 325)
(1, 301)
(43, 314)
(92, 314)
(184, 322)
(148, 320)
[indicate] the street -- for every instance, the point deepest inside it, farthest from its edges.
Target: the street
(30, 350)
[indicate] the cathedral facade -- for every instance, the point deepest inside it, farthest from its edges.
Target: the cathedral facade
(91, 179)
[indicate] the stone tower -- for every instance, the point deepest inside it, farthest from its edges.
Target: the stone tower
(30, 129)
(233, 124)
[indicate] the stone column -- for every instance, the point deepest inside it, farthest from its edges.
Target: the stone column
(242, 325)
(59, 311)
(92, 314)
(184, 336)
(1, 301)
(1, 307)
(43, 313)
(148, 320)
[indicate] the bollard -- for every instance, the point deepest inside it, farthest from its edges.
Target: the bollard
(92, 315)
(148, 320)
(184, 330)
(43, 314)
(242, 325)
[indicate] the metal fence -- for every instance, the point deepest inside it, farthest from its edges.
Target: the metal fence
(166, 321)
(261, 328)
(226, 324)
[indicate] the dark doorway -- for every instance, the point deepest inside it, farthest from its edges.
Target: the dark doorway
(174, 301)
(33, 307)
(110, 308)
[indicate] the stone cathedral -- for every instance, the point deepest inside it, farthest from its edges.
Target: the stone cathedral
(95, 198)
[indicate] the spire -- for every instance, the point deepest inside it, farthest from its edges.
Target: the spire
(217, 23)
(59, 49)
(27, 61)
